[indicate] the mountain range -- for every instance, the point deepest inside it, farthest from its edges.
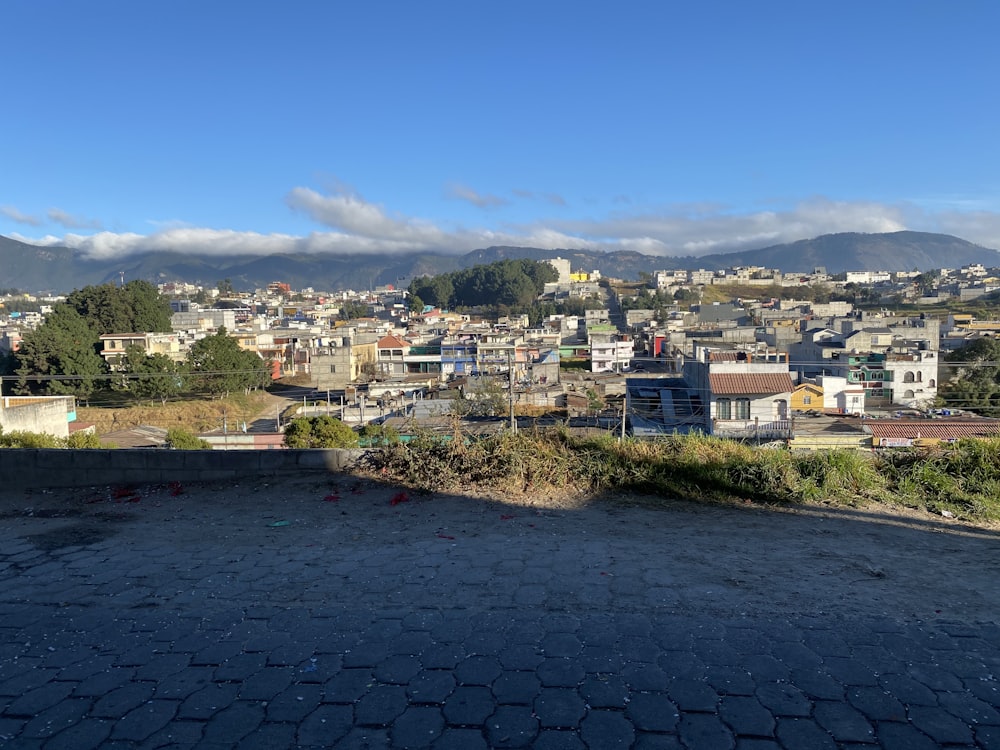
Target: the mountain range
(60, 269)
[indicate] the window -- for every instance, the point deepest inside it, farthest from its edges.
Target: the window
(333, 368)
(722, 409)
(807, 400)
(742, 410)
(908, 377)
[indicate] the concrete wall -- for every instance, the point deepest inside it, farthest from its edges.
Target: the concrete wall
(50, 415)
(30, 467)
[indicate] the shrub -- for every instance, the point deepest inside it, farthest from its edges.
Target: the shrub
(183, 440)
(319, 432)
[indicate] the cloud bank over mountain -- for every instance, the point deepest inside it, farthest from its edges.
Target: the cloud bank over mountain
(350, 224)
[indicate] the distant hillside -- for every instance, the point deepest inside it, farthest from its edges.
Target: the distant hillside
(59, 269)
(851, 251)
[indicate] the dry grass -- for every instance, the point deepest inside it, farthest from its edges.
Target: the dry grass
(196, 415)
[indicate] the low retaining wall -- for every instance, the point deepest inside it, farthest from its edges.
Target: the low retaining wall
(30, 467)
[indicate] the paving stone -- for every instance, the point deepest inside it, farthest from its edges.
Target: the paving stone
(294, 703)
(144, 721)
(560, 672)
(380, 705)
(893, 735)
(265, 737)
(469, 705)
(417, 727)
(876, 704)
(795, 732)
(86, 734)
(430, 686)
(940, 725)
(478, 670)
(516, 688)
(521, 656)
(266, 683)
(705, 732)
(561, 645)
(56, 718)
(240, 667)
(907, 690)
(730, 680)
(38, 700)
(692, 695)
(348, 685)
(234, 722)
(988, 737)
(644, 677)
(397, 669)
(605, 691)
(443, 656)
(122, 700)
(511, 726)
(652, 712)
(746, 716)
(366, 654)
(559, 708)
(850, 671)
(818, 685)
(459, 738)
(325, 726)
(968, 708)
(844, 723)
(205, 703)
(651, 741)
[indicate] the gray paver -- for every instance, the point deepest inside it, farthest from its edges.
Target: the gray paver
(356, 638)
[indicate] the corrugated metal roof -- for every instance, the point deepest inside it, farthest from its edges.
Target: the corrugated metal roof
(940, 429)
(752, 383)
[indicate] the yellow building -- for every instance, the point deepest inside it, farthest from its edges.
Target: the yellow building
(807, 396)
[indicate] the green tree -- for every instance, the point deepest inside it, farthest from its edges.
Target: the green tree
(135, 307)
(219, 366)
(153, 376)
(972, 378)
(485, 397)
(183, 440)
(416, 304)
(374, 435)
(352, 310)
(60, 357)
(319, 432)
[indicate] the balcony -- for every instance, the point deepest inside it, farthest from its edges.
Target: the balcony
(780, 429)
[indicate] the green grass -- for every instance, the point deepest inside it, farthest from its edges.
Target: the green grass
(963, 478)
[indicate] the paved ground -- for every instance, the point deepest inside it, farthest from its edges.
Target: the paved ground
(318, 614)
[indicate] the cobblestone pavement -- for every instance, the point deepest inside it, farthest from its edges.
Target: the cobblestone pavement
(358, 616)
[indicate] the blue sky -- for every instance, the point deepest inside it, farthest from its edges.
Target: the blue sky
(665, 127)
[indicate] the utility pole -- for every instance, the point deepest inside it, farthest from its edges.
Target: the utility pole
(510, 389)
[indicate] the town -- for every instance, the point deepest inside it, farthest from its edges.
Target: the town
(810, 361)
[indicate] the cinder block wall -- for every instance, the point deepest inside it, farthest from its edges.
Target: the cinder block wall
(22, 468)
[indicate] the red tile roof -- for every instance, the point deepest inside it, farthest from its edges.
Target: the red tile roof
(390, 341)
(940, 429)
(752, 383)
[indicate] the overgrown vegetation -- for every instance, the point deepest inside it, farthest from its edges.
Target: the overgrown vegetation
(962, 479)
(22, 439)
(320, 432)
(183, 440)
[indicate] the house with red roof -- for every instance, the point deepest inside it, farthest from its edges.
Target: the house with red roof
(745, 395)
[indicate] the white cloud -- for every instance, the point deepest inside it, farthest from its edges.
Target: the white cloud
(69, 221)
(20, 217)
(358, 227)
(480, 200)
